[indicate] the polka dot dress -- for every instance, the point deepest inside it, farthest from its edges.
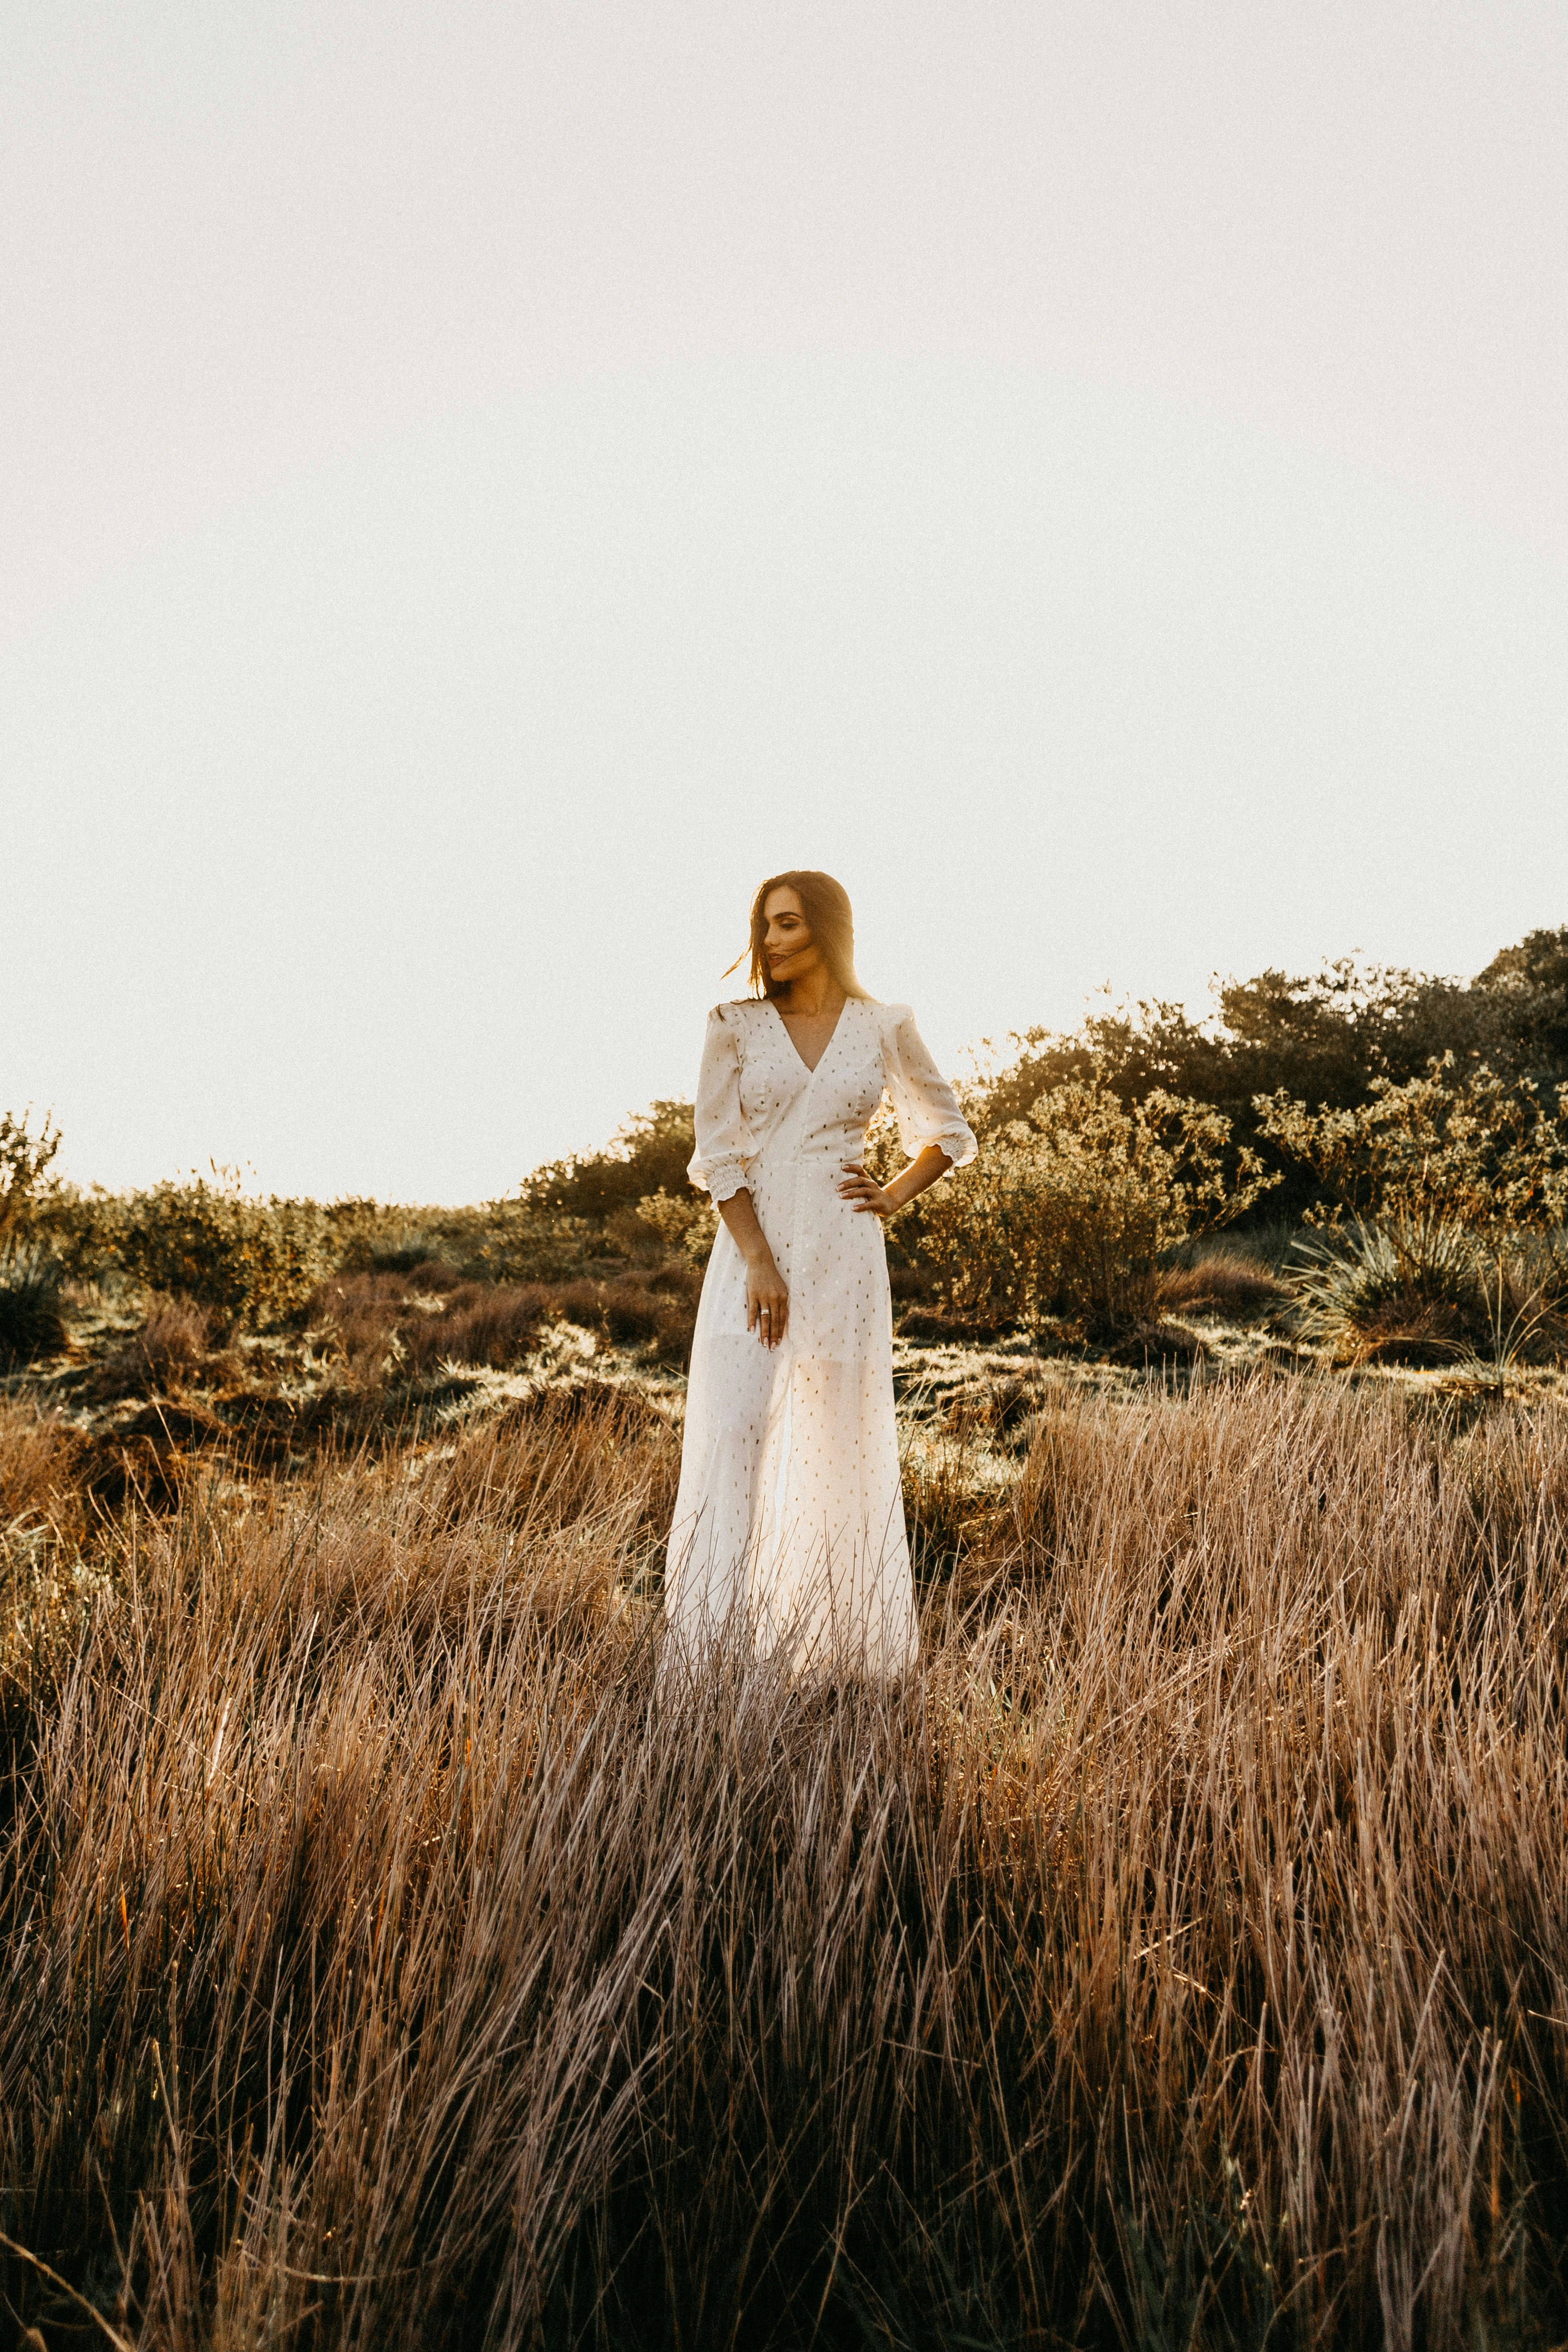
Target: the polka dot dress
(789, 1531)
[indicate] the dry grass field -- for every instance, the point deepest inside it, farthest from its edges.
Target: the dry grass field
(1179, 1959)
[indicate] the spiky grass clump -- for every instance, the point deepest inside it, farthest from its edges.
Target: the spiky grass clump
(1179, 1957)
(1375, 1293)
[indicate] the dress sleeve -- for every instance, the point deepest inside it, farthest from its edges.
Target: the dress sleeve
(923, 1103)
(720, 1164)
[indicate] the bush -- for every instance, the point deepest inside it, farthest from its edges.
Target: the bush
(1068, 1210)
(497, 1327)
(23, 1158)
(1439, 1153)
(685, 1224)
(480, 1325)
(381, 1322)
(223, 1248)
(648, 1156)
(1438, 1198)
(31, 1324)
(1326, 1038)
(83, 1228)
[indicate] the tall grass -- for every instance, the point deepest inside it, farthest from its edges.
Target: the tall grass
(1181, 1957)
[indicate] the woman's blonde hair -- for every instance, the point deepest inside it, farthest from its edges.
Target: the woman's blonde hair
(829, 918)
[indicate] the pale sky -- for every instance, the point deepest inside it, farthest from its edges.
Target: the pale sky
(483, 485)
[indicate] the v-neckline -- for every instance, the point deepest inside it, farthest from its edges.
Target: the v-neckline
(811, 1069)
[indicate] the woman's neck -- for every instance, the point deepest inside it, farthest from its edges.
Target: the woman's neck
(814, 993)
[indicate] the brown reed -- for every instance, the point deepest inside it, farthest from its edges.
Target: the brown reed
(1180, 1958)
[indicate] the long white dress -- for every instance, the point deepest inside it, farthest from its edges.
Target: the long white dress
(788, 1534)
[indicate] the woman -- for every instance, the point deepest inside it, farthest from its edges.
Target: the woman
(788, 1534)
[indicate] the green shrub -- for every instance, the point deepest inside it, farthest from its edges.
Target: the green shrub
(226, 1250)
(82, 1229)
(1068, 1211)
(1324, 1037)
(1441, 1152)
(685, 1224)
(649, 1155)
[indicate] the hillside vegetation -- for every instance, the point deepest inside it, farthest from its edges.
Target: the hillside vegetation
(1417, 1125)
(1179, 1958)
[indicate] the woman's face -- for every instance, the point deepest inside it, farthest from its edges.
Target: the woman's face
(787, 939)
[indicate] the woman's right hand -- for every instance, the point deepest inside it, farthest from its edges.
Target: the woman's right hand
(766, 1299)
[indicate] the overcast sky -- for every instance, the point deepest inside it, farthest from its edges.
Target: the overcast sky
(483, 485)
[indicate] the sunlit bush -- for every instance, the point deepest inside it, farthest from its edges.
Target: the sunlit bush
(1440, 1151)
(648, 1155)
(685, 1227)
(215, 1244)
(1069, 1210)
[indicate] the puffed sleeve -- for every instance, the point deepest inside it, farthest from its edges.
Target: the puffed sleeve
(720, 1164)
(923, 1103)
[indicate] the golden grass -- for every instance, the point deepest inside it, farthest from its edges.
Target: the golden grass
(1180, 1959)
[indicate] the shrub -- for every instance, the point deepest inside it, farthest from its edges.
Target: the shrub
(1437, 1153)
(23, 1158)
(31, 1324)
(648, 1156)
(1436, 1198)
(493, 1326)
(1324, 1037)
(1068, 1209)
(1152, 1344)
(381, 1321)
(497, 1327)
(84, 1229)
(211, 1242)
(685, 1224)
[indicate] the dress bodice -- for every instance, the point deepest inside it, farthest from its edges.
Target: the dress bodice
(758, 1104)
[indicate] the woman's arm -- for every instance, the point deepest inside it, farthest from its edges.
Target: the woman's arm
(766, 1299)
(884, 1200)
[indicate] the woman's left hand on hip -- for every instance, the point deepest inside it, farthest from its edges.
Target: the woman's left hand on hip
(865, 1192)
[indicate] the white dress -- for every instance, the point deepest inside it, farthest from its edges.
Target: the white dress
(788, 1532)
